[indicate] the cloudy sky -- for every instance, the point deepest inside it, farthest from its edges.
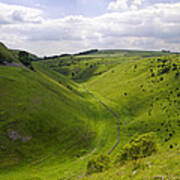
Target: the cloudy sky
(48, 27)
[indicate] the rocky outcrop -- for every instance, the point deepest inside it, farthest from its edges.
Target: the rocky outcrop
(14, 136)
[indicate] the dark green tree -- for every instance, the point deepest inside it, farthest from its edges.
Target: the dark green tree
(24, 58)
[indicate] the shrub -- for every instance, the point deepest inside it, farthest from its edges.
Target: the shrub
(81, 152)
(99, 164)
(164, 70)
(138, 164)
(139, 147)
(24, 58)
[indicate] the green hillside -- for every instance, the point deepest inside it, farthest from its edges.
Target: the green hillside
(82, 68)
(125, 53)
(6, 54)
(57, 118)
(46, 119)
(143, 92)
(146, 96)
(146, 93)
(32, 57)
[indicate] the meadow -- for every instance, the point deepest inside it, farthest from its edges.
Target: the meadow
(57, 114)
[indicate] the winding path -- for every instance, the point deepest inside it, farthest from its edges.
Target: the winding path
(114, 114)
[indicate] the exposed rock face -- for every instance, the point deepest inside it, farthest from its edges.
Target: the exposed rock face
(12, 64)
(13, 135)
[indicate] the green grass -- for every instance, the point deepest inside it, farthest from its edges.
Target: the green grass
(82, 69)
(126, 53)
(164, 165)
(67, 126)
(133, 92)
(146, 100)
(6, 54)
(61, 122)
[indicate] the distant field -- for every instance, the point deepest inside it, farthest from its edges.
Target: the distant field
(126, 53)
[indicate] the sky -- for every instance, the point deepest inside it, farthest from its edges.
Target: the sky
(52, 27)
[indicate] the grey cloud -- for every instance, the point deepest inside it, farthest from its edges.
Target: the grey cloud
(17, 16)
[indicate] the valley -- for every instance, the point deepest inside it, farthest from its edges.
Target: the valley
(60, 115)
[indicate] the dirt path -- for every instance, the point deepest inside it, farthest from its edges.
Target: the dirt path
(113, 113)
(88, 155)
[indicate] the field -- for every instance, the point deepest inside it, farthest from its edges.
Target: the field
(58, 116)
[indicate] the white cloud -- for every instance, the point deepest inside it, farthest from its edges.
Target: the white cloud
(153, 27)
(119, 4)
(138, 2)
(124, 4)
(10, 14)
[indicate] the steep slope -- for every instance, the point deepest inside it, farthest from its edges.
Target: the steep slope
(144, 93)
(5, 54)
(82, 67)
(146, 96)
(50, 126)
(46, 119)
(16, 58)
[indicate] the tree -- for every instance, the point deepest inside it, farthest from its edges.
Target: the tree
(24, 58)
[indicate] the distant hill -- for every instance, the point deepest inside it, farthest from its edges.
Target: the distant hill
(92, 51)
(125, 52)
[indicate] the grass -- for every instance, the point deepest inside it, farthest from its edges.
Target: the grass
(126, 53)
(61, 122)
(67, 126)
(146, 100)
(6, 54)
(163, 165)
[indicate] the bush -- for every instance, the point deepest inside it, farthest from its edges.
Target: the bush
(24, 58)
(139, 147)
(82, 152)
(99, 164)
(6, 57)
